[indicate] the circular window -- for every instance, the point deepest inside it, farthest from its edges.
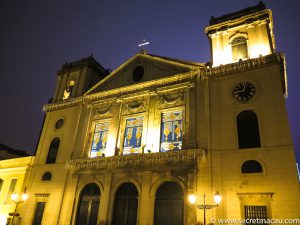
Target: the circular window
(138, 73)
(59, 123)
(47, 176)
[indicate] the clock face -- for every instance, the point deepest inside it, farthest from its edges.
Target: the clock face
(244, 91)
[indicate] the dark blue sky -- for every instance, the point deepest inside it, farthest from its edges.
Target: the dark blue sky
(38, 37)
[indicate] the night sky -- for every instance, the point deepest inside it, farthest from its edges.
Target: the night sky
(38, 37)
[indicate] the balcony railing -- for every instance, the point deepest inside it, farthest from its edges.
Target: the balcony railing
(179, 158)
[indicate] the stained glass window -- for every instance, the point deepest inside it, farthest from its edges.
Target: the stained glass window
(99, 139)
(133, 135)
(171, 135)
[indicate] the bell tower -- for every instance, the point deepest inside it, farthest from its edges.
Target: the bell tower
(75, 78)
(241, 35)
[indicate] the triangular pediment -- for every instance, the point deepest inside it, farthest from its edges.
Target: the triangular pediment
(142, 68)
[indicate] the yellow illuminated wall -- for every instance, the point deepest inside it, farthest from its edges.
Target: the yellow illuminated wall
(17, 168)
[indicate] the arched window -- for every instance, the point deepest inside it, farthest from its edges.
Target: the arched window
(125, 205)
(248, 131)
(53, 149)
(252, 166)
(239, 48)
(88, 205)
(47, 176)
(69, 89)
(169, 205)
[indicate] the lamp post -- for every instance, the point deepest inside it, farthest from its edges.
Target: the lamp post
(217, 198)
(17, 199)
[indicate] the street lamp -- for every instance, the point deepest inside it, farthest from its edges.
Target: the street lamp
(17, 199)
(217, 198)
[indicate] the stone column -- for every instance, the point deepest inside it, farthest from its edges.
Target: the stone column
(70, 201)
(190, 134)
(151, 143)
(145, 208)
(227, 53)
(264, 38)
(105, 200)
(251, 39)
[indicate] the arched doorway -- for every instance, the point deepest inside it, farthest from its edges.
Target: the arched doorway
(125, 205)
(88, 205)
(169, 205)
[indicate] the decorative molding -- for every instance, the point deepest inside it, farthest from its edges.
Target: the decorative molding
(191, 85)
(102, 112)
(205, 73)
(172, 99)
(255, 195)
(153, 93)
(145, 86)
(242, 65)
(134, 107)
(63, 104)
(43, 195)
(146, 161)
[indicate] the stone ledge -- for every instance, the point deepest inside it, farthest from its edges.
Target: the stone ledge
(180, 157)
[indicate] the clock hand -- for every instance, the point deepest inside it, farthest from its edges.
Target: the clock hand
(244, 86)
(235, 92)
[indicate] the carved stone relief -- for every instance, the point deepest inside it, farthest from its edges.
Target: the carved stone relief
(171, 100)
(103, 111)
(134, 107)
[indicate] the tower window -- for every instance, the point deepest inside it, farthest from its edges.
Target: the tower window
(248, 131)
(239, 48)
(53, 149)
(69, 89)
(252, 166)
(47, 176)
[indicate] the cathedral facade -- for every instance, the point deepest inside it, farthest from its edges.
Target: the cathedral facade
(130, 146)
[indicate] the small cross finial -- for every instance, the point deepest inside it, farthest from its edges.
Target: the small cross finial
(144, 43)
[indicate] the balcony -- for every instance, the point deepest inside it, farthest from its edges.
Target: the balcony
(155, 161)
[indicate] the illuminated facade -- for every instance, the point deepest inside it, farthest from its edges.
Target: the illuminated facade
(128, 147)
(14, 175)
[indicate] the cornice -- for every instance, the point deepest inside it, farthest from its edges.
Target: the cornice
(179, 64)
(242, 65)
(255, 195)
(17, 163)
(63, 104)
(143, 87)
(245, 20)
(185, 79)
